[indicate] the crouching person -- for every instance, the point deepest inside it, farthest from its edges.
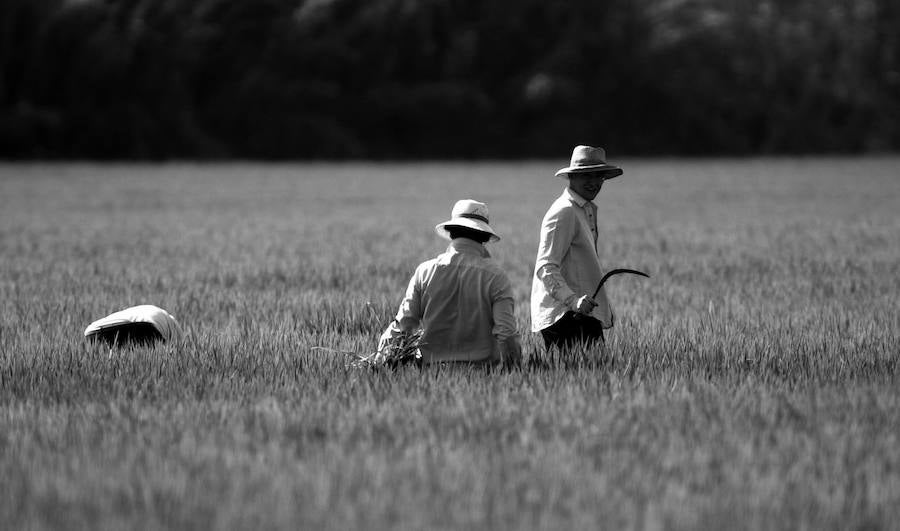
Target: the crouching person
(461, 300)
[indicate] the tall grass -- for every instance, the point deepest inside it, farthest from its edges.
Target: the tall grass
(750, 384)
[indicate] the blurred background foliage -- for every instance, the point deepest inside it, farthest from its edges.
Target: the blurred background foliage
(389, 79)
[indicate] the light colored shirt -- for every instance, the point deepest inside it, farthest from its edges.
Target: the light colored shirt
(567, 265)
(463, 301)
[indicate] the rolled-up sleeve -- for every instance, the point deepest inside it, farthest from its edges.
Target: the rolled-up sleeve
(503, 309)
(557, 233)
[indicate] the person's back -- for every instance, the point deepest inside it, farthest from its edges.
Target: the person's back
(459, 291)
(462, 300)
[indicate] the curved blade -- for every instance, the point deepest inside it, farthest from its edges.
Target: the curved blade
(617, 272)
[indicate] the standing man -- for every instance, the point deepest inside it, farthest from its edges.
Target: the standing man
(461, 299)
(568, 270)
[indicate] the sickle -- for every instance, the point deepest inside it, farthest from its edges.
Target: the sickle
(617, 272)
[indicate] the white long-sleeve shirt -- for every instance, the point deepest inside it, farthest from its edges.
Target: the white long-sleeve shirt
(567, 265)
(463, 301)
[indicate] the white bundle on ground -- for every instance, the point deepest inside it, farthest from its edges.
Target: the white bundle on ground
(144, 324)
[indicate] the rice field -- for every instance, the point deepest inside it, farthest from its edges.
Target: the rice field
(751, 383)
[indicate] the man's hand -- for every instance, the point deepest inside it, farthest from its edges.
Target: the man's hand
(510, 351)
(584, 305)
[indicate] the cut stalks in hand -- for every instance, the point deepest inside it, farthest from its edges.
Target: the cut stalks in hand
(402, 350)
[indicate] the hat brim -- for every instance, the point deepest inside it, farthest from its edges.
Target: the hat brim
(612, 171)
(474, 224)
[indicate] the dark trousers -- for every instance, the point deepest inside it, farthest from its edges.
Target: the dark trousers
(573, 330)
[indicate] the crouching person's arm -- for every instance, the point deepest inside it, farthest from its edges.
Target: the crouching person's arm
(510, 351)
(408, 317)
(505, 330)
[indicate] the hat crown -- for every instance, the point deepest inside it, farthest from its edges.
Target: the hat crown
(469, 214)
(587, 156)
(470, 208)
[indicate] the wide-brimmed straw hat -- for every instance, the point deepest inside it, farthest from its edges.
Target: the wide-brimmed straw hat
(590, 159)
(470, 214)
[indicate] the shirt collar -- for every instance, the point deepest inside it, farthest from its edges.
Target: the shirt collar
(574, 197)
(467, 246)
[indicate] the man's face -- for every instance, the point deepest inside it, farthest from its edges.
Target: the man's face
(587, 184)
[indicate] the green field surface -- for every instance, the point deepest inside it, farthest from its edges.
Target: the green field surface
(751, 383)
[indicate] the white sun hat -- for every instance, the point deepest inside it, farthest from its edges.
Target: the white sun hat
(138, 324)
(470, 214)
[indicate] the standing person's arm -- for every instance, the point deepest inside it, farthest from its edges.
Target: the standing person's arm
(557, 234)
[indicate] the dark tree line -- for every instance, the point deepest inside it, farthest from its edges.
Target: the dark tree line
(445, 78)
